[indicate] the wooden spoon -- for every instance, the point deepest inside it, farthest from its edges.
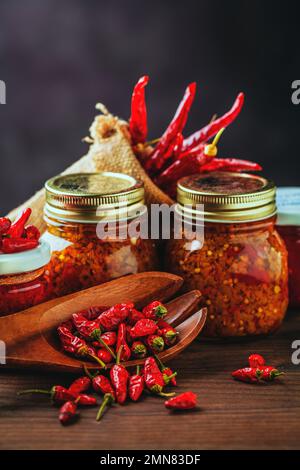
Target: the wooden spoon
(31, 339)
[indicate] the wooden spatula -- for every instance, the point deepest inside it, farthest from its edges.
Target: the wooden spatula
(31, 339)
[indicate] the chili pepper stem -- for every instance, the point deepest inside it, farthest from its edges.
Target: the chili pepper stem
(159, 361)
(211, 149)
(102, 364)
(138, 369)
(87, 372)
(170, 377)
(152, 142)
(162, 394)
(107, 347)
(34, 390)
(106, 400)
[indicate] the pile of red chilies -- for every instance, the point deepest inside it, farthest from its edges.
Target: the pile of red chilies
(174, 156)
(16, 236)
(256, 371)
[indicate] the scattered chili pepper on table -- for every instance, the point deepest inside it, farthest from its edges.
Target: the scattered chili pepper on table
(57, 393)
(154, 379)
(67, 412)
(256, 360)
(247, 374)
(269, 373)
(80, 385)
(168, 375)
(184, 401)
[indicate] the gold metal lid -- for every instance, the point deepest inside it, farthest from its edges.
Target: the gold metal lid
(226, 197)
(91, 197)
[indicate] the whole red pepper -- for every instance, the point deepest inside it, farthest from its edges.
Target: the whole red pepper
(57, 393)
(32, 232)
(269, 373)
(155, 310)
(153, 377)
(90, 330)
(247, 374)
(122, 341)
(176, 126)
(17, 227)
(170, 335)
(144, 327)
(109, 338)
(100, 383)
(86, 400)
(16, 245)
(105, 355)
(80, 385)
(134, 316)
(230, 164)
(136, 385)
(214, 126)
(184, 401)
(168, 375)
(5, 224)
(138, 119)
(155, 343)
(111, 318)
(256, 360)
(138, 349)
(67, 412)
(119, 377)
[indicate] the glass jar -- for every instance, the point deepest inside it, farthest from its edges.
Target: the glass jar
(88, 218)
(240, 262)
(23, 281)
(288, 225)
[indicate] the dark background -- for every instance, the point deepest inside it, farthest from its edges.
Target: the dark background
(59, 57)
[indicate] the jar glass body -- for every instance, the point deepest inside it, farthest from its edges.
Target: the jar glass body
(291, 236)
(80, 259)
(22, 291)
(241, 271)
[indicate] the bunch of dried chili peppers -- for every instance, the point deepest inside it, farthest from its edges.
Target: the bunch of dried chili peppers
(16, 236)
(174, 156)
(256, 370)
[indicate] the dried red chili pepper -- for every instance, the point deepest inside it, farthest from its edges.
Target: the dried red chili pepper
(100, 383)
(119, 377)
(153, 377)
(122, 341)
(111, 318)
(155, 343)
(214, 126)
(138, 349)
(138, 119)
(105, 356)
(17, 227)
(144, 327)
(169, 335)
(136, 385)
(80, 385)
(107, 400)
(32, 232)
(184, 401)
(134, 316)
(77, 346)
(155, 310)
(5, 224)
(168, 375)
(67, 412)
(256, 360)
(230, 164)
(92, 313)
(57, 393)
(16, 245)
(269, 373)
(86, 400)
(176, 126)
(247, 374)
(109, 338)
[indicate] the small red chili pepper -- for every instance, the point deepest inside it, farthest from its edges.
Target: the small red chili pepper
(184, 401)
(77, 346)
(138, 119)
(144, 327)
(256, 360)
(269, 373)
(169, 335)
(155, 310)
(100, 383)
(153, 377)
(90, 330)
(107, 400)
(119, 377)
(67, 412)
(111, 318)
(86, 400)
(17, 227)
(138, 349)
(80, 385)
(57, 393)
(5, 224)
(155, 343)
(214, 126)
(16, 245)
(105, 355)
(134, 316)
(32, 232)
(168, 375)
(136, 385)
(109, 338)
(122, 341)
(247, 374)
(230, 164)
(176, 126)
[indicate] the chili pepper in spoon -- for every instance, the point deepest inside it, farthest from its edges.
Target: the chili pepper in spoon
(57, 393)
(105, 355)
(138, 119)
(111, 318)
(90, 330)
(119, 377)
(109, 338)
(155, 343)
(155, 310)
(134, 316)
(121, 340)
(154, 379)
(17, 227)
(184, 401)
(136, 385)
(144, 327)
(170, 335)
(138, 349)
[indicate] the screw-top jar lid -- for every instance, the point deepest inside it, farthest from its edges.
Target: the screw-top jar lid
(226, 197)
(25, 261)
(288, 204)
(90, 197)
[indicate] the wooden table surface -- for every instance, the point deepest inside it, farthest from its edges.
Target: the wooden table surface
(232, 415)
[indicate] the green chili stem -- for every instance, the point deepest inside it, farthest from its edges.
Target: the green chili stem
(162, 394)
(34, 390)
(161, 365)
(106, 400)
(87, 372)
(107, 347)
(138, 369)
(170, 377)
(102, 364)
